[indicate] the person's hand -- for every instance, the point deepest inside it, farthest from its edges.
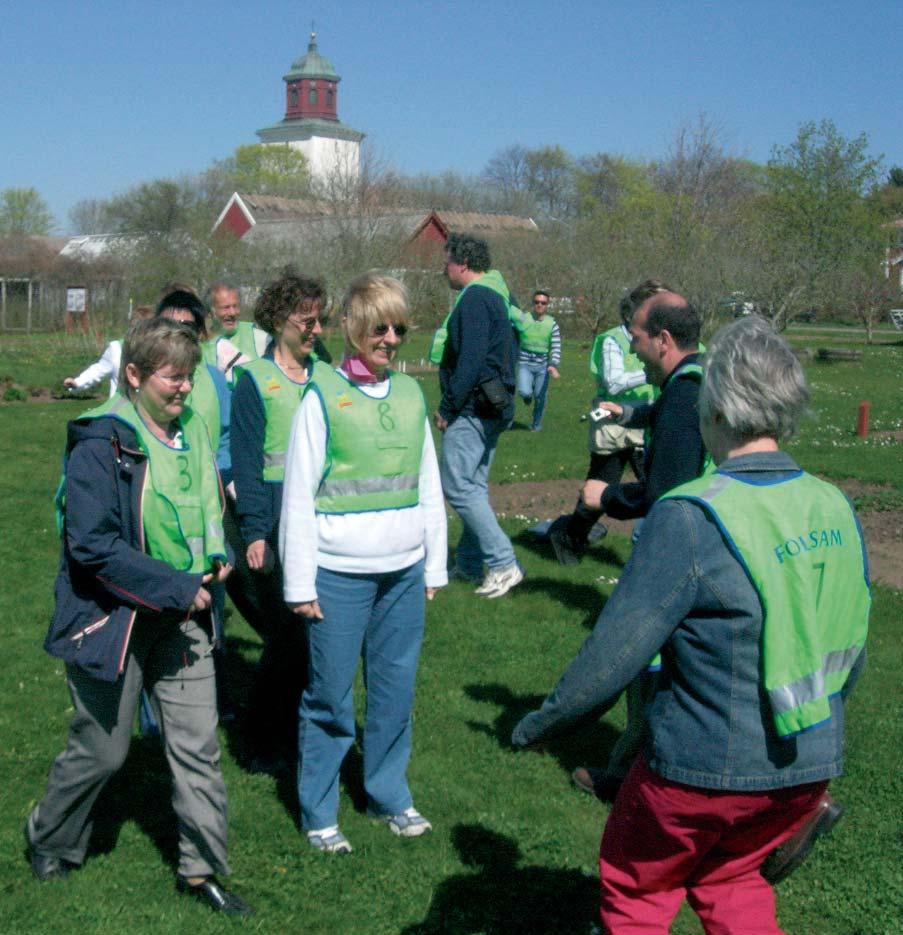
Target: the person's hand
(554, 372)
(230, 490)
(201, 599)
(440, 422)
(431, 593)
(69, 381)
(592, 493)
(613, 408)
(260, 556)
(309, 609)
(221, 571)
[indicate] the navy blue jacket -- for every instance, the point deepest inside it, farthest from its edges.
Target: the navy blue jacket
(481, 344)
(104, 576)
(675, 453)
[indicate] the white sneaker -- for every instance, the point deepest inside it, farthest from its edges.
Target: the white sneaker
(500, 581)
(329, 840)
(409, 824)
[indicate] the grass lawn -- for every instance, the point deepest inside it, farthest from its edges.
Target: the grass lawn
(514, 848)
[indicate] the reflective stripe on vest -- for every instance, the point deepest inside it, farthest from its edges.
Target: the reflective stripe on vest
(374, 446)
(281, 397)
(800, 545)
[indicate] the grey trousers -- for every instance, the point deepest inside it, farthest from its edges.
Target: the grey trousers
(174, 663)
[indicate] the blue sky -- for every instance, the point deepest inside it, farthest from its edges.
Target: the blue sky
(99, 96)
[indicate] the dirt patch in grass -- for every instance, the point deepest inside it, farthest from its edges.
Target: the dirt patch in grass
(883, 528)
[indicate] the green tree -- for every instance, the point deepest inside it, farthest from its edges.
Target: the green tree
(23, 211)
(550, 179)
(819, 226)
(259, 169)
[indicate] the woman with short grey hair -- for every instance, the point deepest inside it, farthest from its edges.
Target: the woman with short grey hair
(751, 583)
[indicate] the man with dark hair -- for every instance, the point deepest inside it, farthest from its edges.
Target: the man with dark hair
(540, 354)
(664, 337)
(664, 334)
(476, 376)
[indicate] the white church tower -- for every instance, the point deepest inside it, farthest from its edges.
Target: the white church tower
(311, 123)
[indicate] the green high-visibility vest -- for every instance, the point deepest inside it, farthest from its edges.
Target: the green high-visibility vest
(281, 397)
(374, 446)
(244, 338)
(204, 400)
(181, 505)
(536, 334)
(492, 279)
(645, 393)
(800, 545)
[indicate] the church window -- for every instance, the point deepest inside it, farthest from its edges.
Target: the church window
(312, 95)
(294, 95)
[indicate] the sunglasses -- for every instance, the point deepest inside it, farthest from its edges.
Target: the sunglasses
(306, 322)
(380, 331)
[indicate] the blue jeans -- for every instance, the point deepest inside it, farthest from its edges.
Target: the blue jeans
(379, 616)
(533, 383)
(467, 452)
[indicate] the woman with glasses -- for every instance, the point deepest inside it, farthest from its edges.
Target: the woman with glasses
(363, 544)
(141, 521)
(267, 393)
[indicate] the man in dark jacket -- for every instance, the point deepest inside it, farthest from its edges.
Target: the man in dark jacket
(664, 334)
(477, 381)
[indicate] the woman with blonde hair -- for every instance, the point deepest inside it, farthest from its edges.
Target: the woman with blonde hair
(363, 543)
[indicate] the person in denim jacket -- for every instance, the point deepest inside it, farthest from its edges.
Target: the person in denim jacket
(716, 789)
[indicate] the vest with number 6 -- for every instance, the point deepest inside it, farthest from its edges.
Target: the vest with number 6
(374, 446)
(181, 506)
(281, 398)
(800, 545)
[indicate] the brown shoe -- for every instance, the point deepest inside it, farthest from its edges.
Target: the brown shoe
(593, 780)
(783, 860)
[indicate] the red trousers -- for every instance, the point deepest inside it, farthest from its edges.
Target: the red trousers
(665, 841)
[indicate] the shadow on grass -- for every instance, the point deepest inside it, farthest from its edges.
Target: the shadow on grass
(571, 595)
(543, 549)
(140, 792)
(589, 745)
(501, 896)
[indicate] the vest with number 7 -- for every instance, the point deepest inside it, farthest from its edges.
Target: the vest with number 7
(798, 541)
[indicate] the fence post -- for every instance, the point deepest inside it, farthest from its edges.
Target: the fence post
(862, 422)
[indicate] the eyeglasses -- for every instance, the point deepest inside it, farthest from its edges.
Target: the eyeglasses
(305, 322)
(540, 301)
(381, 330)
(175, 381)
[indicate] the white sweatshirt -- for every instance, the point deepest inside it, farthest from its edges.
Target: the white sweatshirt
(375, 541)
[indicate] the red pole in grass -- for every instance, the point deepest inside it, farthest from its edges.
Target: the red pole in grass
(862, 423)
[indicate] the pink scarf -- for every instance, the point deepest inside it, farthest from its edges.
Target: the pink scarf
(355, 369)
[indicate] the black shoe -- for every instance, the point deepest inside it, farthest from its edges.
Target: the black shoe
(566, 550)
(268, 764)
(593, 780)
(43, 866)
(783, 860)
(214, 895)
